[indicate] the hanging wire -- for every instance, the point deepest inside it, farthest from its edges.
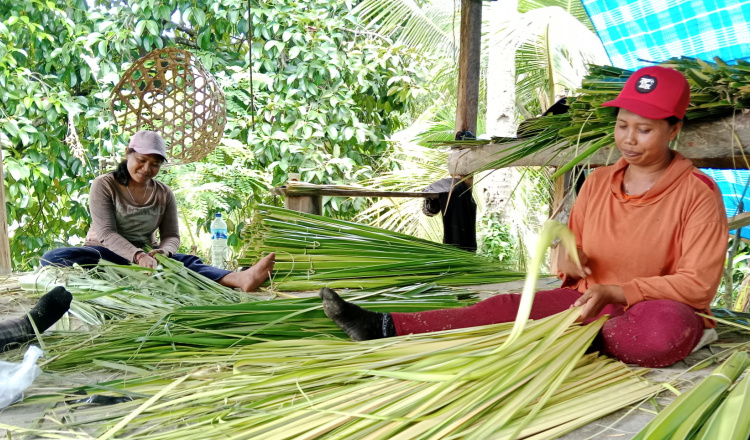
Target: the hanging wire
(453, 31)
(250, 62)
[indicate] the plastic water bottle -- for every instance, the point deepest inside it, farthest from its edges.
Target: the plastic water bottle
(218, 242)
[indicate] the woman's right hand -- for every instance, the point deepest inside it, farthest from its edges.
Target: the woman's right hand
(145, 260)
(569, 268)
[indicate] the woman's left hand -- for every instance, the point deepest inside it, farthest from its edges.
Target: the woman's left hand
(158, 251)
(598, 296)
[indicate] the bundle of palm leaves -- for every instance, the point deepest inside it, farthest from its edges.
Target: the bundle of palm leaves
(314, 251)
(717, 89)
(201, 334)
(111, 291)
(470, 383)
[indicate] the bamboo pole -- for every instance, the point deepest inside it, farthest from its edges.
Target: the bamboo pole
(5, 263)
(558, 197)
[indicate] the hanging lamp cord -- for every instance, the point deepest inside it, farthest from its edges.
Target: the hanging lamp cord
(250, 62)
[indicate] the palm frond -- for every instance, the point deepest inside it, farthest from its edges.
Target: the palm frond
(553, 50)
(573, 7)
(716, 89)
(429, 26)
(417, 167)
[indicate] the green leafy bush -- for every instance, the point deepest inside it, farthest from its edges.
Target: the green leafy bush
(326, 97)
(496, 240)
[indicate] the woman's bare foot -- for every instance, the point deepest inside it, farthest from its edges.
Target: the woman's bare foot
(250, 279)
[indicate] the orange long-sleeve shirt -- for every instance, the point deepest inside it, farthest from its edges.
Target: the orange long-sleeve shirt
(669, 243)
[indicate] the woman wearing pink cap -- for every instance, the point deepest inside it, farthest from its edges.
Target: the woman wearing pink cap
(127, 208)
(651, 233)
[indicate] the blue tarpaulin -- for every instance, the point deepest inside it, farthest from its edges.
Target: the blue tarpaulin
(736, 191)
(656, 30)
(635, 32)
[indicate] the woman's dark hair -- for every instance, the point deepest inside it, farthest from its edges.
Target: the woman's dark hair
(672, 120)
(122, 176)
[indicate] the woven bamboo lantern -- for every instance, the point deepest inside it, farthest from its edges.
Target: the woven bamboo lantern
(170, 92)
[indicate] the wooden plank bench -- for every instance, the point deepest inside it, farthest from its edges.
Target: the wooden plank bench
(310, 200)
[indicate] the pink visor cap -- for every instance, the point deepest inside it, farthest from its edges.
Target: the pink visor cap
(148, 142)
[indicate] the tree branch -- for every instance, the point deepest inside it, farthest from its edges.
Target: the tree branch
(174, 25)
(185, 42)
(728, 281)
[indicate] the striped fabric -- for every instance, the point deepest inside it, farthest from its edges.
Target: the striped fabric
(656, 30)
(735, 189)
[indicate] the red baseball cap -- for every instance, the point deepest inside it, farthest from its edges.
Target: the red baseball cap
(654, 92)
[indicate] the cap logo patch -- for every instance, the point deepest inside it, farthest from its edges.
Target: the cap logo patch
(646, 84)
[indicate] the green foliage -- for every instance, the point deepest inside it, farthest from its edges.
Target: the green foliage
(49, 81)
(225, 181)
(327, 98)
(553, 40)
(496, 240)
(330, 95)
(416, 168)
(740, 269)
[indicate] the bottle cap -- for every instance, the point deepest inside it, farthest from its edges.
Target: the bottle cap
(218, 214)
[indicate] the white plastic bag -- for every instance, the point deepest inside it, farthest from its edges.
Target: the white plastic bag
(14, 378)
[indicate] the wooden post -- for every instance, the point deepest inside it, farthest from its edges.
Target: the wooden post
(5, 264)
(309, 204)
(469, 59)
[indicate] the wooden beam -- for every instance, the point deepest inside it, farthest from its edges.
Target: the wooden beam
(310, 200)
(469, 63)
(709, 144)
(739, 221)
(281, 191)
(5, 262)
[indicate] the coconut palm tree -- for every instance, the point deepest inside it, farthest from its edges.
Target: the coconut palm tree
(551, 42)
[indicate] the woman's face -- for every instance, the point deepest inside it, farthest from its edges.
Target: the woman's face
(143, 167)
(644, 141)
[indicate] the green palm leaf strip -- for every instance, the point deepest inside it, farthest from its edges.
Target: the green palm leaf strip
(730, 421)
(111, 291)
(450, 384)
(683, 417)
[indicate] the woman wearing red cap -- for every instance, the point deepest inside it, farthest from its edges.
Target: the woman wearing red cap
(651, 233)
(128, 206)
